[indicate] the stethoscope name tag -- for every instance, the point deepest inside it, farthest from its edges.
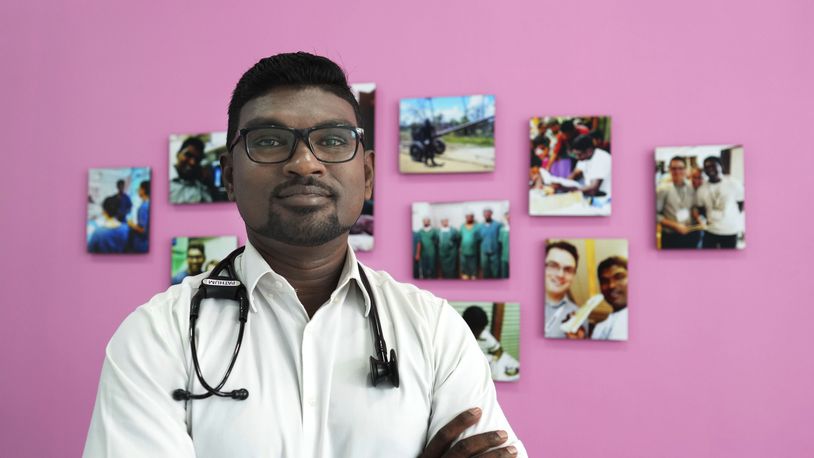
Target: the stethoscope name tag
(216, 282)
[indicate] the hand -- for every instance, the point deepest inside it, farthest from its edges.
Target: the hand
(579, 335)
(682, 229)
(439, 446)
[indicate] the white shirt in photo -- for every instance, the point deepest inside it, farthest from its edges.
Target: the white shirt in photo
(613, 328)
(721, 203)
(598, 167)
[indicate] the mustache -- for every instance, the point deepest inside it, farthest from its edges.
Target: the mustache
(303, 181)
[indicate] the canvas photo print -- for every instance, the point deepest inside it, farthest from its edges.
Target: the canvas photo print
(700, 198)
(586, 289)
(191, 256)
(118, 212)
(195, 173)
(361, 233)
(496, 328)
(570, 168)
(461, 240)
(447, 134)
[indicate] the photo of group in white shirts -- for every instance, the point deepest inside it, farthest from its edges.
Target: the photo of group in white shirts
(700, 197)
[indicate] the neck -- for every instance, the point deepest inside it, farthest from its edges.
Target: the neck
(313, 272)
(555, 297)
(679, 183)
(618, 308)
(715, 180)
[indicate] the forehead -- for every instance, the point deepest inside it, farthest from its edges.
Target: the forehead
(561, 256)
(298, 107)
(612, 271)
(194, 252)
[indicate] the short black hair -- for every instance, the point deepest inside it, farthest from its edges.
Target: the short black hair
(565, 246)
(111, 205)
(582, 143)
(678, 158)
(476, 318)
(196, 246)
(193, 141)
(541, 140)
(567, 126)
(119, 183)
(715, 159)
(298, 70)
(145, 186)
(598, 134)
(610, 262)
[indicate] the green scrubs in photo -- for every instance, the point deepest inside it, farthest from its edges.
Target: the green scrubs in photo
(448, 252)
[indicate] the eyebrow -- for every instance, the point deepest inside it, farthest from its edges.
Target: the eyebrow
(258, 122)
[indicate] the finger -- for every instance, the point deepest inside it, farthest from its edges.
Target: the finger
(443, 439)
(476, 444)
(500, 453)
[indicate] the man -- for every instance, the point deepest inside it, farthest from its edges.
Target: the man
(111, 236)
(124, 201)
(196, 256)
(186, 186)
(427, 133)
(305, 356)
(696, 177)
(612, 273)
(448, 241)
(560, 267)
(674, 203)
(503, 237)
(489, 233)
(470, 240)
(427, 248)
(720, 202)
(139, 229)
(477, 321)
(593, 167)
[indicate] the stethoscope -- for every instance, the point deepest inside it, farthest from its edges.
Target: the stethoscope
(217, 286)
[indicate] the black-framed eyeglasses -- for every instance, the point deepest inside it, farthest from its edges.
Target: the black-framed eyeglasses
(276, 144)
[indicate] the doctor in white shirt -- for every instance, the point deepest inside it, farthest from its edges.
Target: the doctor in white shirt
(299, 173)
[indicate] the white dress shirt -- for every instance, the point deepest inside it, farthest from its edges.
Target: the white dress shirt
(308, 379)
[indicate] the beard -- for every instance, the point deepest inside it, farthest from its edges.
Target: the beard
(309, 228)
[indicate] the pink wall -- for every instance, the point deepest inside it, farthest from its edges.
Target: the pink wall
(719, 362)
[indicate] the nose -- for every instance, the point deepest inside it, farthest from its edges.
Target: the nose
(303, 162)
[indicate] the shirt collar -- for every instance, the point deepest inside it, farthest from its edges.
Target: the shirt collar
(252, 267)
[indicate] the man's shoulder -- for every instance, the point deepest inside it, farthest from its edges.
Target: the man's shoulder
(406, 298)
(163, 315)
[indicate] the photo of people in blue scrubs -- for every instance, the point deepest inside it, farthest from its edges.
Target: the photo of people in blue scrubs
(118, 218)
(461, 240)
(194, 255)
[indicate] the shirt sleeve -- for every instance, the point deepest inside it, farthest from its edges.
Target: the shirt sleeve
(463, 380)
(135, 414)
(661, 197)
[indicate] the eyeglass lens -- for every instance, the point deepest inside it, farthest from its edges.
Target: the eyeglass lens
(329, 144)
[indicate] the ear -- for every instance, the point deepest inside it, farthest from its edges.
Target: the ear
(227, 168)
(370, 163)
